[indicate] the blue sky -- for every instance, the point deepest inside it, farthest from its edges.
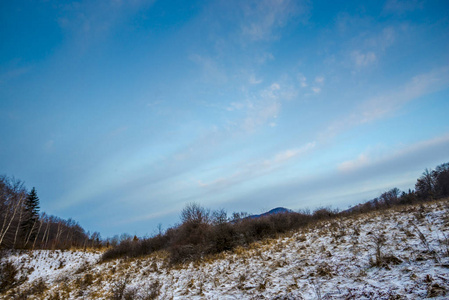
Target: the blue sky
(121, 112)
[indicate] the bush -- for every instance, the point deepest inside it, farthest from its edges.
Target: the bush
(153, 291)
(8, 273)
(222, 237)
(118, 289)
(203, 233)
(37, 288)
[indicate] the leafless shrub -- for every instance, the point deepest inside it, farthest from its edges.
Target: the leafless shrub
(324, 270)
(82, 268)
(153, 291)
(434, 289)
(337, 230)
(379, 241)
(317, 288)
(424, 241)
(38, 287)
(323, 213)
(87, 280)
(194, 213)
(241, 281)
(380, 259)
(444, 243)
(8, 276)
(118, 288)
(130, 294)
(61, 264)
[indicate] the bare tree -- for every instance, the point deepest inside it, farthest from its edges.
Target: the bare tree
(194, 213)
(16, 205)
(425, 185)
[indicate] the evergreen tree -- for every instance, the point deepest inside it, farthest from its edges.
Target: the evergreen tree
(31, 215)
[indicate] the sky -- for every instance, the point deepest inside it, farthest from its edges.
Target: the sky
(122, 112)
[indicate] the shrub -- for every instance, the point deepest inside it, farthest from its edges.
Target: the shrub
(118, 289)
(222, 237)
(8, 273)
(38, 287)
(153, 291)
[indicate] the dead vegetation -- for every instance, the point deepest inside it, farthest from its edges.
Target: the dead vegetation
(350, 257)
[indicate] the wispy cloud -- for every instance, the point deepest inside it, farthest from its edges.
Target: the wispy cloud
(210, 68)
(254, 80)
(264, 106)
(355, 181)
(302, 80)
(12, 73)
(360, 161)
(371, 159)
(316, 89)
(363, 59)
(90, 21)
(263, 18)
(370, 49)
(381, 41)
(286, 155)
(319, 79)
(402, 6)
(252, 170)
(383, 105)
(150, 216)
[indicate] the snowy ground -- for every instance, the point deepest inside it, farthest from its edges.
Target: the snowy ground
(397, 254)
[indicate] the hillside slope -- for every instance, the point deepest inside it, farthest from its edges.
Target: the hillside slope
(402, 253)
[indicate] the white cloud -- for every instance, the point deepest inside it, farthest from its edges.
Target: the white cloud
(265, 107)
(252, 170)
(263, 17)
(382, 156)
(235, 106)
(363, 59)
(211, 70)
(283, 156)
(368, 49)
(374, 173)
(13, 73)
(261, 115)
(382, 105)
(360, 161)
(316, 90)
(264, 57)
(254, 80)
(402, 6)
(319, 79)
(90, 21)
(302, 80)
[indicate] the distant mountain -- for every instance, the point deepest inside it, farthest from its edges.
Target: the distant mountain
(274, 211)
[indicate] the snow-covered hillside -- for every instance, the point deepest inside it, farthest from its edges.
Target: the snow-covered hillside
(402, 253)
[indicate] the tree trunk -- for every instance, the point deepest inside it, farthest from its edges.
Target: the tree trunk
(45, 232)
(5, 222)
(9, 224)
(31, 232)
(38, 231)
(18, 224)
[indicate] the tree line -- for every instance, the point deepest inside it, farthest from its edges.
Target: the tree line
(431, 185)
(203, 232)
(23, 226)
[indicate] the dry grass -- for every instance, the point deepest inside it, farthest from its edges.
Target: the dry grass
(311, 257)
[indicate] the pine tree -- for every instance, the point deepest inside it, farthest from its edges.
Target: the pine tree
(31, 215)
